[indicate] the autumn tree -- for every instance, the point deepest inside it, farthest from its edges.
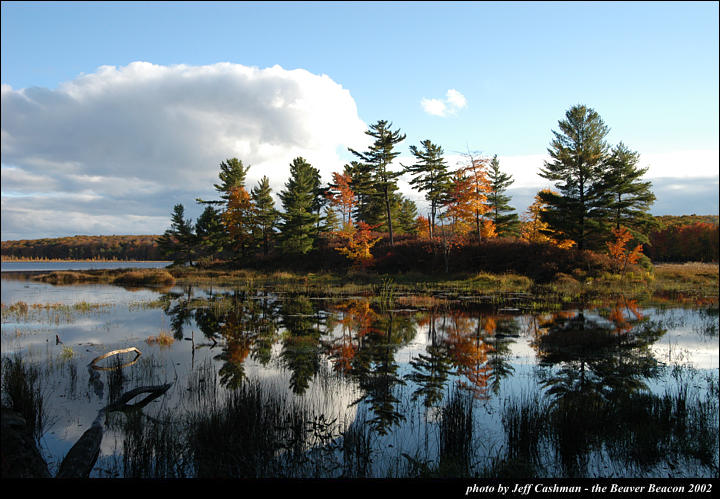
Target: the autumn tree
(239, 220)
(178, 242)
(578, 154)
(266, 216)
(503, 215)
(378, 158)
(475, 192)
(356, 243)
(631, 197)
(299, 219)
(621, 254)
(341, 195)
(430, 175)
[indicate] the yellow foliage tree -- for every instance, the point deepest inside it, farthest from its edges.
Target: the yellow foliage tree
(356, 243)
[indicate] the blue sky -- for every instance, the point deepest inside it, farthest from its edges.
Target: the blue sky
(513, 69)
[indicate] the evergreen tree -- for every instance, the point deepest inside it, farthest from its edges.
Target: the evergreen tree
(210, 232)
(430, 175)
(232, 175)
(631, 197)
(407, 217)
(361, 184)
(178, 242)
(331, 220)
(578, 153)
(266, 216)
(300, 219)
(501, 213)
(378, 159)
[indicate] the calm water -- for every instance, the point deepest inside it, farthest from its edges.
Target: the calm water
(389, 371)
(26, 266)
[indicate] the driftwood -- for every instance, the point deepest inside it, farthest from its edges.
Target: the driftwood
(94, 362)
(80, 459)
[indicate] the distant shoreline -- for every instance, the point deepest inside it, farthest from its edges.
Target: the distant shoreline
(53, 260)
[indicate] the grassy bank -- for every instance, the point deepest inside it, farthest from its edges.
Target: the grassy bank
(695, 280)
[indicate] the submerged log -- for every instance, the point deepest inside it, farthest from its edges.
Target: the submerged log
(121, 404)
(81, 458)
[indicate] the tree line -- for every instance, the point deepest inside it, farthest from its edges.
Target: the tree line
(600, 200)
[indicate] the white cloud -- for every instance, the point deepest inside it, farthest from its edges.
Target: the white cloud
(433, 106)
(454, 101)
(147, 133)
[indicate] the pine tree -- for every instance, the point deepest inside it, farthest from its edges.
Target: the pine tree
(378, 158)
(300, 219)
(430, 175)
(631, 197)
(407, 217)
(210, 232)
(232, 175)
(266, 216)
(578, 153)
(501, 213)
(178, 242)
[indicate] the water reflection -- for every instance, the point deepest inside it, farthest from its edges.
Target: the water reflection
(590, 368)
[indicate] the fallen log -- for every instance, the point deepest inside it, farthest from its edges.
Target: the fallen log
(94, 362)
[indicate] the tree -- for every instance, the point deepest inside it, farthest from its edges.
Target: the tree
(621, 255)
(210, 232)
(178, 242)
(533, 228)
(407, 217)
(501, 213)
(476, 187)
(578, 153)
(298, 227)
(631, 197)
(430, 175)
(239, 220)
(356, 243)
(232, 175)
(266, 215)
(378, 159)
(341, 195)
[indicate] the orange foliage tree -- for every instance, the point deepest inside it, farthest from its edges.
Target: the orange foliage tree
(467, 201)
(341, 196)
(617, 249)
(239, 219)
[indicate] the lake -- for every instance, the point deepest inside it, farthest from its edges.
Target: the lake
(80, 265)
(413, 388)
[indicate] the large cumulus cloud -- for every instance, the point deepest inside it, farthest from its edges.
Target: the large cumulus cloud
(110, 152)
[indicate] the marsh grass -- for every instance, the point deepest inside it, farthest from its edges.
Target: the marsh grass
(163, 338)
(22, 392)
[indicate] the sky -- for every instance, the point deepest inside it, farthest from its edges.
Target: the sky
(113, 112)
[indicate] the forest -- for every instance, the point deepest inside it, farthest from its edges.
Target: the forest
(597, 214)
